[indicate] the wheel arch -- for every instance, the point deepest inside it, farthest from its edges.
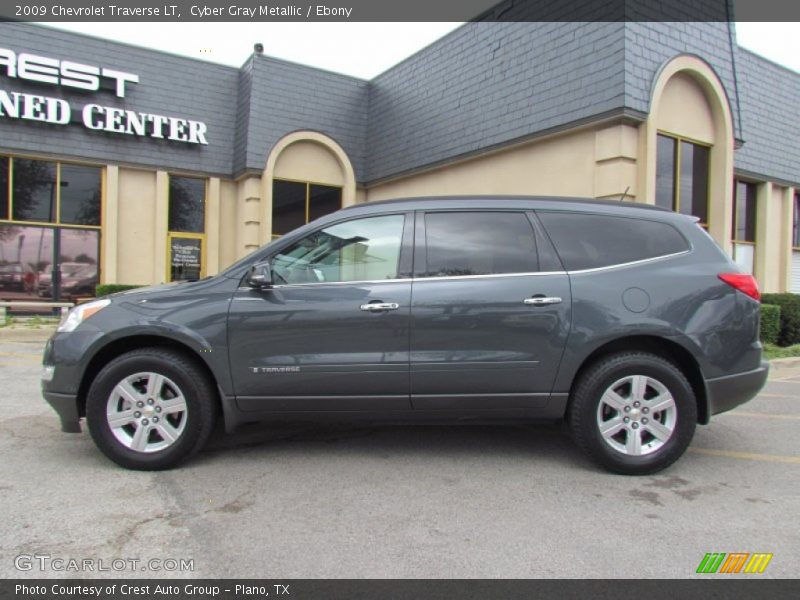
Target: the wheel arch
(122, 345)
(665, 348)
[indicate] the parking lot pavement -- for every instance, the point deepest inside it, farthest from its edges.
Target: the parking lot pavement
(350, 501)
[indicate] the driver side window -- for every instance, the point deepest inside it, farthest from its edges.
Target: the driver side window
(360, 250)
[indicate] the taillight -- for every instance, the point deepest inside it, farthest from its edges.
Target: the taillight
(744, 283)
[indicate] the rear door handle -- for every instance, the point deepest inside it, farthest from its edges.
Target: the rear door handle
(542, 300)
(380, 306)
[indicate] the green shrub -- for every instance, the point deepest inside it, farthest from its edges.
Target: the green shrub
(112, 288)
(770, 323)
(789, 316)
(771, 351)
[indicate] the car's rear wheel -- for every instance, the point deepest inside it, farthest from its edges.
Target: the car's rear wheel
(150, 409)
(634, 413)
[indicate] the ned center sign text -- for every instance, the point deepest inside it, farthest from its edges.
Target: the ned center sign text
(57, 111)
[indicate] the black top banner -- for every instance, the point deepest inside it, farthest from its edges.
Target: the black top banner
(401, 10)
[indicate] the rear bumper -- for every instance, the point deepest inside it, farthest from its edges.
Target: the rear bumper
(726, 393)
(66, 405)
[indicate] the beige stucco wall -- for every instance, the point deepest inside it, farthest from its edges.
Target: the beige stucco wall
(773, 253)
(308, 161)
(684, 110)
(782, 220)
(136, 233)
(562, 165)
(594, 162)
(227, 223)
(616, 154)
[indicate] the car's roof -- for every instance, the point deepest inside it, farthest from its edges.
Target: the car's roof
(501, 201)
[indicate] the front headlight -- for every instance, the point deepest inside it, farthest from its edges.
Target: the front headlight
(80, 313)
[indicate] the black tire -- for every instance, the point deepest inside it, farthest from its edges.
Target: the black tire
(193, 385)
(588, 412)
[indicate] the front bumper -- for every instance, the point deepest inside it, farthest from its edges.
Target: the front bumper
(66, 405)
(726, 393)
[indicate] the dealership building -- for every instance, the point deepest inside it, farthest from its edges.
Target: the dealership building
(120, 164)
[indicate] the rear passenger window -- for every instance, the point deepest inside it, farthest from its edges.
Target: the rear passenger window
(591, 241)
(479, 243)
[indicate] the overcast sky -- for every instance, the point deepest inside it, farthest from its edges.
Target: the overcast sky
(359, 49)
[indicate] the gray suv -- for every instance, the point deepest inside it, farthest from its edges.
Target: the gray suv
(627, 321)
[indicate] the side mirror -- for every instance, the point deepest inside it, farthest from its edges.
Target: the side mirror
(260, 276)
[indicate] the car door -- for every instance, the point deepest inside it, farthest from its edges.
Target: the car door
(490, 318)
(332, 332)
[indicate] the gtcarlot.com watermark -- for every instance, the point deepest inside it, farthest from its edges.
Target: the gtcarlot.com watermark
(69, 564)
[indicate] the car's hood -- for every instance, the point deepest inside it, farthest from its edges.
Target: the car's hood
(153, 289)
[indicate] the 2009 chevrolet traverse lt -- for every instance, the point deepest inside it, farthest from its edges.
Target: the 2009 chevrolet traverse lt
(627, 321)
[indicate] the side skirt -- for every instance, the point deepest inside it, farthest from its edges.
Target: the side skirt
(549, 409)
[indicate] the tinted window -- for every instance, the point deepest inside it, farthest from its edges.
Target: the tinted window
(288, 206)
(665, 172)
(359, 250)
(682, 171)
(24, 253)
(694, 181)
(479, 243)
(744, 213)
(590, 241)
(187, 204)
(796, 222)
(323, 200)
(78, 262)
(80, 195)
(34, 190)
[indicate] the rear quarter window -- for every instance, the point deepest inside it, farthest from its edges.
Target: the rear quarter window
(589, 241)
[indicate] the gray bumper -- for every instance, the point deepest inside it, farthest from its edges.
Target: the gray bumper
(726, 393)
(66, 405)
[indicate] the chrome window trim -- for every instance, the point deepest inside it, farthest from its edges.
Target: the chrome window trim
(321, 283)
(489, 276)
(417, 279)
(629, 264)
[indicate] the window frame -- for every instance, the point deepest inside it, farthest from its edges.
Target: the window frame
(421, 245)
(688, 249)
(796, 220)
(734, 219)
(404, 269)
(676, 170)
(57, 222)
(308, 183)
(188, 235)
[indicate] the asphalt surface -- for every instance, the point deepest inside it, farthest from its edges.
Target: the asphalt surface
(330, 501)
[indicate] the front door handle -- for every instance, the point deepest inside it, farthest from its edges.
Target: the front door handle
(542, 300)
(380, 306)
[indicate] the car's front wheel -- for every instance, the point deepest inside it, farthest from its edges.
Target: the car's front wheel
(149, 409)
(634, 413)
